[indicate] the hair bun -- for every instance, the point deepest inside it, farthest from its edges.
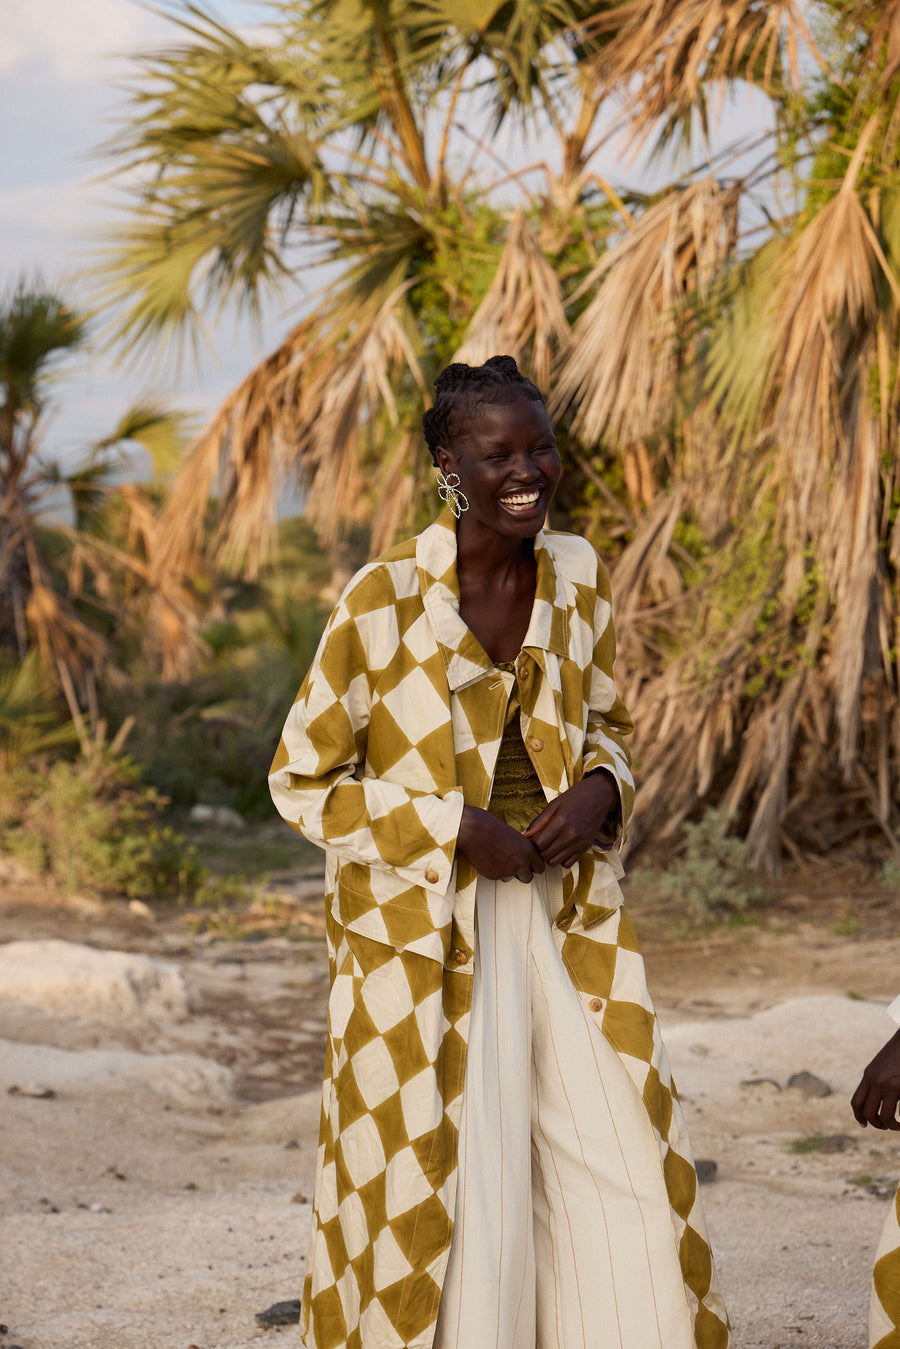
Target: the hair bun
(457, 373)
(504, 365)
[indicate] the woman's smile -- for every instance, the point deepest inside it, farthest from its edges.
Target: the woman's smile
(521, 502)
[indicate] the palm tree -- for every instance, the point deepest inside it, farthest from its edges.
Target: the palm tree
(722, 352)
(352, 135)
(65, 586)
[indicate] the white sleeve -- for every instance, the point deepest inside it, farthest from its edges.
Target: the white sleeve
(894, 1009)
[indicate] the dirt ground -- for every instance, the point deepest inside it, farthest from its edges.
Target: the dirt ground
(159, 1198)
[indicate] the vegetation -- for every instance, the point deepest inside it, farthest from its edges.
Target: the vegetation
(721, 356)
(91, 826)
(710, 879)
(721, 352)
(68, 586)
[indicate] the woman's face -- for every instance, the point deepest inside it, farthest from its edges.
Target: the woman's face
(508, 467)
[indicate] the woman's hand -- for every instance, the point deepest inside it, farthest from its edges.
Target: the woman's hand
(495, 849)
(875, 1099)
(569, 826)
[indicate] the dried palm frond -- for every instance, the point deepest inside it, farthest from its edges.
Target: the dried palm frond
(881, 21)
(669, 54)
(623, 359)
(522, 311)
(829, 296)
(303, 413)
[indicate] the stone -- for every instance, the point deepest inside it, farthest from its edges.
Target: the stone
(280, 1314)
(808, 1085)
(222, 817)
(707, 1170)
(111, 987)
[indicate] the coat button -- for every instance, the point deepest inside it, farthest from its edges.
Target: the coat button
(596, 1004)
(460, 957)
(431, 876)
(536, 743)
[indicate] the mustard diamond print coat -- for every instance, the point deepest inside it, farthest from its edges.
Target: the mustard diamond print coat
(397, 725)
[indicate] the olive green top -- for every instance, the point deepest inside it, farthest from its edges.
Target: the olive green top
(516, 795)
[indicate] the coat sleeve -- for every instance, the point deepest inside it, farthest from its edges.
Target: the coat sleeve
(318, 780)
(608, 720)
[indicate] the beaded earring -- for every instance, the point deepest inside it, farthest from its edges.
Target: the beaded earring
(448, 491)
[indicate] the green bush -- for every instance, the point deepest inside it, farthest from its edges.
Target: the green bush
(92, 826)
(711, 876)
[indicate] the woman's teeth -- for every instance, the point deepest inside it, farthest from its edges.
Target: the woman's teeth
(522, 501)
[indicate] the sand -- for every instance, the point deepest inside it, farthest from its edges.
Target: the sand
(159, 1197)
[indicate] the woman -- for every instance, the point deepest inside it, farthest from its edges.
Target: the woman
(876, 1101)
(502, 1160)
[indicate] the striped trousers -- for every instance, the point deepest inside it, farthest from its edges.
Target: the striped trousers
(563, 1236)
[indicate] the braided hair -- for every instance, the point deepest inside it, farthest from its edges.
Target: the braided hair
(461, 391)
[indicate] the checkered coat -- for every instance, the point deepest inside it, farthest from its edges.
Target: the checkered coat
(396, 726)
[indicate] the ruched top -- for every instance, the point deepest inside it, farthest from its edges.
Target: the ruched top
(517, 797)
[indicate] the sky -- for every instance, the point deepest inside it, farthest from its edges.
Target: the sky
(60, 61)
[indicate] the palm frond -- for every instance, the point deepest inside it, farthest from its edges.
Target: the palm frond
(834, 283)
(522, 312)
(669, 54)
(622, 362)
(221, 151)
(304, 414)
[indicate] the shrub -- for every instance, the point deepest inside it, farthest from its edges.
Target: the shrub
(711, 876)
(91, 825)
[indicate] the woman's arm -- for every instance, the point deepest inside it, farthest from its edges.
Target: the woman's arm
(315, 780)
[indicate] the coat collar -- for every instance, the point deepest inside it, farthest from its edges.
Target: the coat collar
(464, 657)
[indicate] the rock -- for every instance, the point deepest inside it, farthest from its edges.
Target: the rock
(106, 986)
(186, 1079)
(808, 1085)
(223, 817)
(141, 910)
(756, 1082)
(35, 1089)
(279, 1314)
(706, 1170)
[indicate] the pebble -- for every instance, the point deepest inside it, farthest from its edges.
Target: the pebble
(706, 1170)
(141, 910)
(280, 1314)
(35, 1089)
(808, 1085)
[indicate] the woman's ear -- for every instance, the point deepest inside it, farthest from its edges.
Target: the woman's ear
(445, 460)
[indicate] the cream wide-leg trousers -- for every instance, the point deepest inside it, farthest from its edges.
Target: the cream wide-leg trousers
(563, 1236)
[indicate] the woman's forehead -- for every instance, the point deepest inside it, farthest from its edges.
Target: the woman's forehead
(503, 421)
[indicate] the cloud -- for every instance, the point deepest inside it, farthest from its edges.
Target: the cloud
(74, 37)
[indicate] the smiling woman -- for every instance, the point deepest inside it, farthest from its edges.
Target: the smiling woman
(503, 1162)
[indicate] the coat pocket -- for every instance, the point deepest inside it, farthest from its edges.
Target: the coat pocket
(384, 908)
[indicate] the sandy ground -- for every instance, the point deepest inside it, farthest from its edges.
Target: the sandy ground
(160, 1197)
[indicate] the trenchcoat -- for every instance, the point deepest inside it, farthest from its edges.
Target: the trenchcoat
(396, 726)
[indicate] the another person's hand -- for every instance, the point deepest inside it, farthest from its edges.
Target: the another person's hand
(495, 849)
(875, 1099)
(569, 826)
